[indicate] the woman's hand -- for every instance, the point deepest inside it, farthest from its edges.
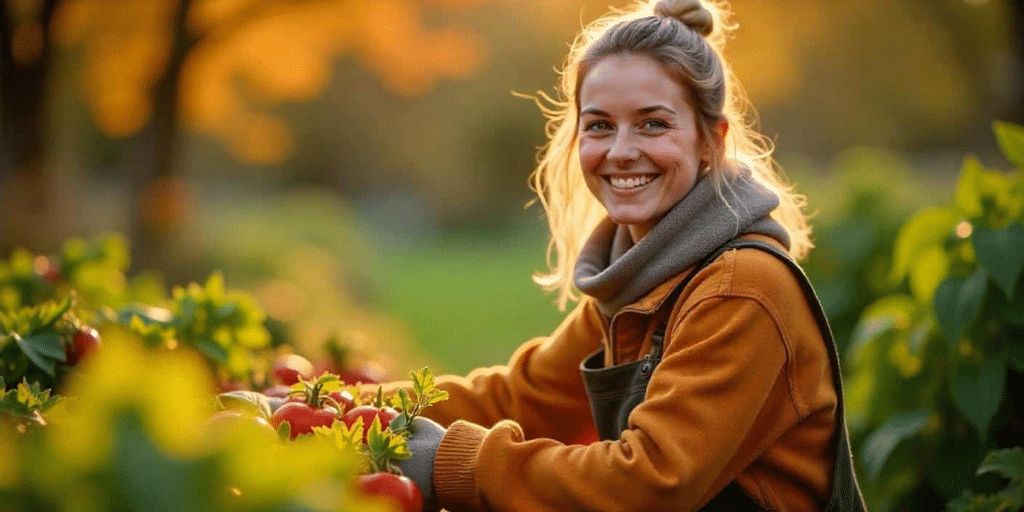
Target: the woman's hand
(423, 442)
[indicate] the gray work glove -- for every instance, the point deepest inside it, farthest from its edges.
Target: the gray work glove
(425, 436)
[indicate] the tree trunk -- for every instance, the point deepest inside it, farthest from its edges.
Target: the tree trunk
(29, 216)
(160, 198)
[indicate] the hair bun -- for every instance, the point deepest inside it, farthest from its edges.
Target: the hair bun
(692, 13)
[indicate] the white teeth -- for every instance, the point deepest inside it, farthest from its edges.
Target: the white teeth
(618, 182)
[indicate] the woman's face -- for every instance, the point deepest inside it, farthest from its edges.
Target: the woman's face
(639, 147)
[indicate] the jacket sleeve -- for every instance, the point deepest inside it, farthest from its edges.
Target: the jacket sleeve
(540, 387)
(692, 433)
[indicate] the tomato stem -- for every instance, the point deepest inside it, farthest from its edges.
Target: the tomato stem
(314, 395)
(327, 400)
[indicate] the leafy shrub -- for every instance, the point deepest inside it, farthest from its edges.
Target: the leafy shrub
(859, 209)
(934, 375)
(44, 300)
(1010, 465)
(136, 437)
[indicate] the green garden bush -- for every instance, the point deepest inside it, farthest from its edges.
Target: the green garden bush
(934, 375)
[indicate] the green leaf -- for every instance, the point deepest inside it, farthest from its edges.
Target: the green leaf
(968, 193)
(962, 503)
(977, 391)
(212, 350)
(1007, 463)
(1000, 254)
(919, 335)
(890, 312)
(880, 444)
(1015, 356)
(930, 268)
(439, 396)
(44, 350)
(957, 302)
(969, 502)
(399, 423)
(928, 229)
(374, 436)
(423, 381)
(126, 315)
(284, 431)
(403, 400)
(870, 327)
(186, 313)
(215, 286)
(225, 311)
(1011, 140)
(47, 344)
(1011, 310)
(51, 312)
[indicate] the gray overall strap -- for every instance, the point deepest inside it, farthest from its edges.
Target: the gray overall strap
(846, 494)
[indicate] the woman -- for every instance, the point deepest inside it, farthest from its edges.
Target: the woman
(697, 349)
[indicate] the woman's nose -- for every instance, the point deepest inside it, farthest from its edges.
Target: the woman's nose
(623, 151)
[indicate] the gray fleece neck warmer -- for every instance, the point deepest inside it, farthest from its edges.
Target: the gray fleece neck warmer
(616, 272)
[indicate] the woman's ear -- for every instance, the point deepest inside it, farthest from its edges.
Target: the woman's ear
(718, 131)
(721, 129)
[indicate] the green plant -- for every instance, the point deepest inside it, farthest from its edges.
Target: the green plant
(934, 375)
(858, 211)
(136, 436)
(1010, 465)
(46, 303)
(226, 326)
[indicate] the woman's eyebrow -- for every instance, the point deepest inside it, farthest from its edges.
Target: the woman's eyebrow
(639, 111)
(654, 108)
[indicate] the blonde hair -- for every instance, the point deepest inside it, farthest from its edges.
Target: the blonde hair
(686, 37)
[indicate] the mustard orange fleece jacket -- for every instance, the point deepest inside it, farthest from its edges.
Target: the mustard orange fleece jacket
(744, 391)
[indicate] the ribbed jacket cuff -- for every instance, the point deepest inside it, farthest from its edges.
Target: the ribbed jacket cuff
(455, 465)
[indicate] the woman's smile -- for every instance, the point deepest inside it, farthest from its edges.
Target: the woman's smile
(630, 183)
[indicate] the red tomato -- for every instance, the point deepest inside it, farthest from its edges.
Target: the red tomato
(368, 413)
(366, 373)
(83, 342)
(399, 489)
(290, 367)
(324, 366)
(230, 385)
(303, 418)
(344, 399)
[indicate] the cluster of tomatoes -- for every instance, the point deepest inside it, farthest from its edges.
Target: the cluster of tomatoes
(310, 408)
(299, 402)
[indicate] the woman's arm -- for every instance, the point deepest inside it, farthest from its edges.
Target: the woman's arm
(540, 387)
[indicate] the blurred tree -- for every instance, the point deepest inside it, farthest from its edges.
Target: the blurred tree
(918, 75)
(26, 57)
(221, 66)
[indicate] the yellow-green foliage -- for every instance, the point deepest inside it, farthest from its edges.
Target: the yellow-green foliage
(927, 372)
(135, 437)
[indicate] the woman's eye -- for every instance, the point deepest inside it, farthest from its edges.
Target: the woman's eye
(654, 124)
(597, 126)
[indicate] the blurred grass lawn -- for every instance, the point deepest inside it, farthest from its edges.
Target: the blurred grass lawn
(464, 298)
(467, 297)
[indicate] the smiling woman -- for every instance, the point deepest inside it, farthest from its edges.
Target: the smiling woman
(698, 371)
(640, 151)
